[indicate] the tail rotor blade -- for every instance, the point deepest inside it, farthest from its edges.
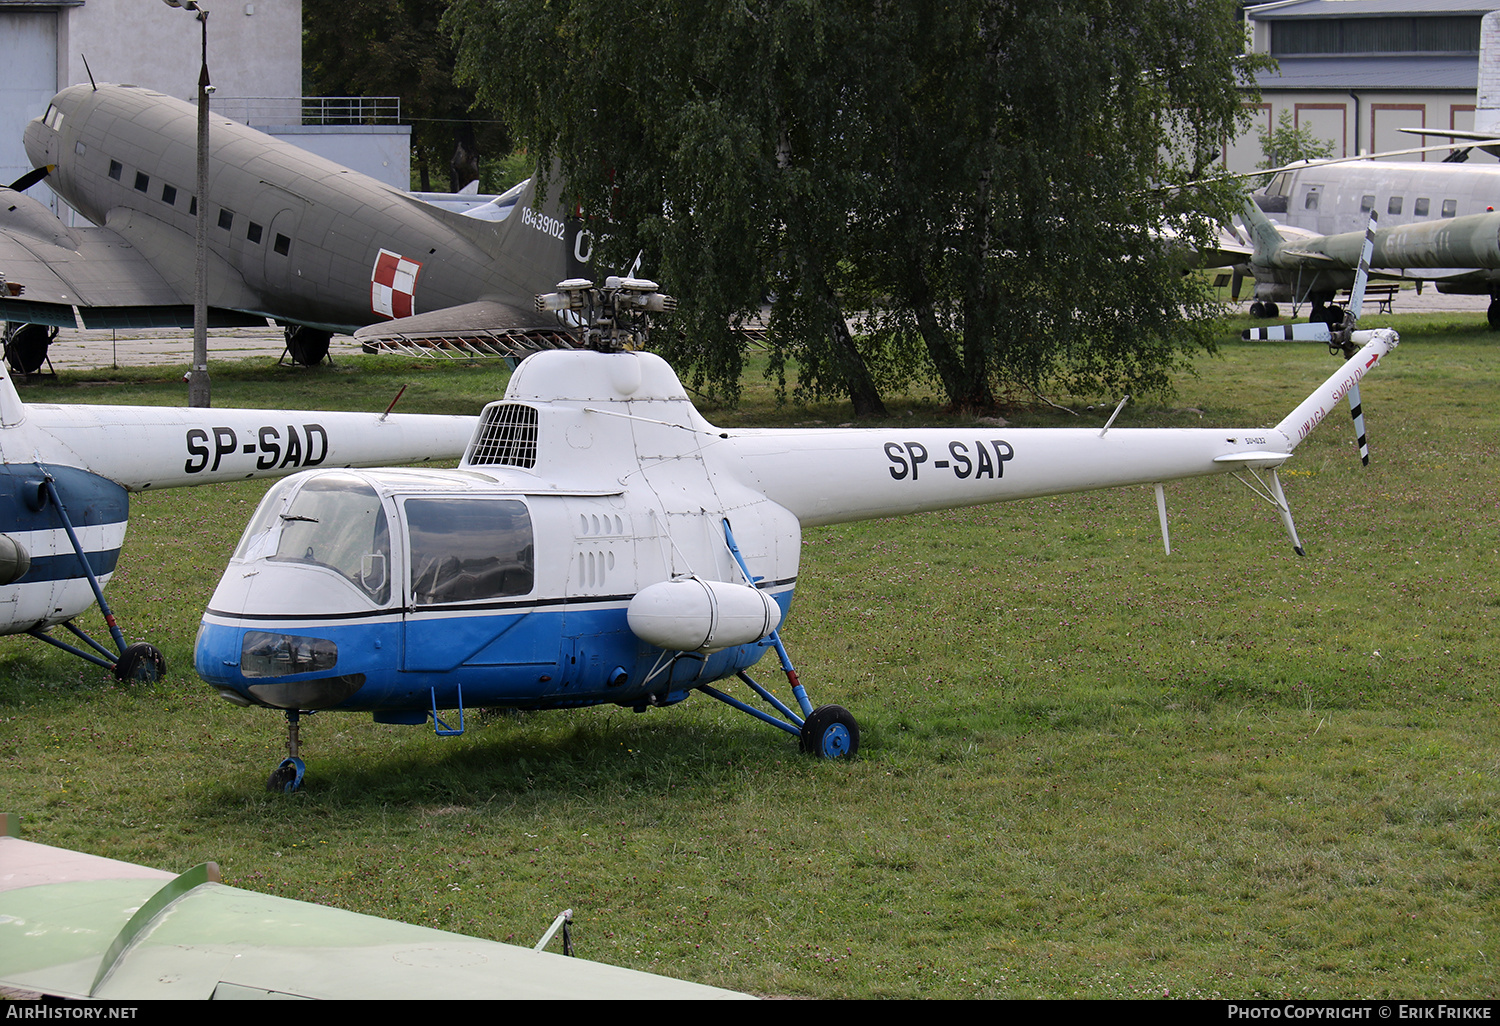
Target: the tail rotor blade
(1356, 300)
(1362, 276)
(1310, 331)
(1357, 411)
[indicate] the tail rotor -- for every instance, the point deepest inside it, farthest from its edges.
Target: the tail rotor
(1339, 340)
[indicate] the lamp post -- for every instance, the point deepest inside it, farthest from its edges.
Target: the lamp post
(198, 391)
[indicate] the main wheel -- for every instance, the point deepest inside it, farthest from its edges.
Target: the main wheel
(1257, 309)
(26, 349)
(830, 733)
(308, 346)
(144, 663)
(1494, 314)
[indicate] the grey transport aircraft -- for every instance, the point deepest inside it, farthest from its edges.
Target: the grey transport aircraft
(295, 238)
(1432, 213)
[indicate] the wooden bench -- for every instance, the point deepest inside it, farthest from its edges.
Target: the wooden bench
(1382, 295)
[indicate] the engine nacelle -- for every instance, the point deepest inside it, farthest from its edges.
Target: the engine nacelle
(688, 614)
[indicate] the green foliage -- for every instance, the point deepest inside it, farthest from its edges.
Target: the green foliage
(1286, 143)
(982, 178)
(397, 48)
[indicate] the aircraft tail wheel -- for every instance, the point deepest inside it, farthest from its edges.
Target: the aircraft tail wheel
(830, 733)
(287, 777)
(143, 663)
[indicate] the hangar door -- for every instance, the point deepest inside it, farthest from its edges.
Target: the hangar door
(28, 80)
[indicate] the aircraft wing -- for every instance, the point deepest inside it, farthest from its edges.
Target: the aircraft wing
(106, 274)
(483, 315)
(80, 926)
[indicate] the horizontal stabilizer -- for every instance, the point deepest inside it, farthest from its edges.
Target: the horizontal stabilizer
(1258, 460)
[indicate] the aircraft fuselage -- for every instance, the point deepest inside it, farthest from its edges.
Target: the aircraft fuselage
(291, 235)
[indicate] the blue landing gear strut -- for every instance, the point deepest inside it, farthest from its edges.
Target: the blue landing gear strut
(829, 731)
(140, 662)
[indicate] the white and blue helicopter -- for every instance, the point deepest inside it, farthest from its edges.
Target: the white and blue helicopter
(602, 543)
(66, 473)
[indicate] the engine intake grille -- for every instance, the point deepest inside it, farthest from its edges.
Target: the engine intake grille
(507, 437)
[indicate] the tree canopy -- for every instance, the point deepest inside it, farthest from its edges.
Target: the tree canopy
(398, 48)
(983, 182)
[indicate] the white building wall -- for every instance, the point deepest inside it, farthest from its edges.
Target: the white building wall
(1366, 122)
(254, 48)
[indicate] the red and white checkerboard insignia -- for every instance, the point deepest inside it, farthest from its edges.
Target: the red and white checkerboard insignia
(393, 285)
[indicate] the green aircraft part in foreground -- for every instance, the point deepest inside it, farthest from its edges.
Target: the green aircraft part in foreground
(81, 926)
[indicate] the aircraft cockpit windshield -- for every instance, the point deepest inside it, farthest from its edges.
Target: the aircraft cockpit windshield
(334, 521)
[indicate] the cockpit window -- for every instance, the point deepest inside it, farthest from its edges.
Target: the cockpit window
(53, 118)
(335, 521)
(469, 549)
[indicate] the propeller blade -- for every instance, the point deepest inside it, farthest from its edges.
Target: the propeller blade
(31, 177)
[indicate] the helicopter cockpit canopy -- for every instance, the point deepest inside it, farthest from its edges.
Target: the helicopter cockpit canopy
(456, 548)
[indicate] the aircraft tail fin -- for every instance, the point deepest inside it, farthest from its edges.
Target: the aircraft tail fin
(1263, 234)
(541, 242)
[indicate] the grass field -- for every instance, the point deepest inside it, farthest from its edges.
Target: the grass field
(1087, 768)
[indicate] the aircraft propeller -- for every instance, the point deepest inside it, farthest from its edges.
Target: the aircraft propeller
(1340, 339)
(31, 177)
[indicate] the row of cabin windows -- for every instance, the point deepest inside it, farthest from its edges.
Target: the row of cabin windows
(253, 231)
(1422, 208)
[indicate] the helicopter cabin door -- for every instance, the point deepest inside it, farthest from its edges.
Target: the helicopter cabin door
(470, 602)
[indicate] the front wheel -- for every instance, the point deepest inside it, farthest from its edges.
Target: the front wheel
(830, 733)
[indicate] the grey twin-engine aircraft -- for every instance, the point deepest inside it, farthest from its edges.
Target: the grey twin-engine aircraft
(293, 237)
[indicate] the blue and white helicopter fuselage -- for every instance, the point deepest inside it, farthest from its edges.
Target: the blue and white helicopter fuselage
(510, 581)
